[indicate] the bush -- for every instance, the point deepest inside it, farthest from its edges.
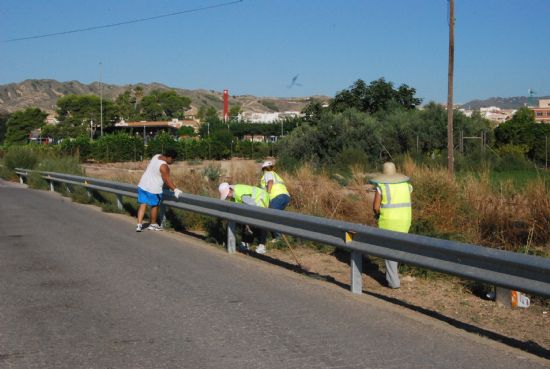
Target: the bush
(21, 157)
(213, 172)
(118, 147)
(62, 164)
(80, 146)
(160, 144)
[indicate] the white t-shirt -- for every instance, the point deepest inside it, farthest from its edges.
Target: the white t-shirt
(151, 180)
(268, 176)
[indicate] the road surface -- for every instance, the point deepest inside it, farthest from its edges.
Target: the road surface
(81, 289)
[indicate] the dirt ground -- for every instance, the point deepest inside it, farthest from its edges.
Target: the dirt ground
(445, 298)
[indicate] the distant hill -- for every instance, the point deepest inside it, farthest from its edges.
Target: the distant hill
(503, 102)
(43, 93)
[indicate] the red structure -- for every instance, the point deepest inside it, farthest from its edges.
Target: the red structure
(225, 106)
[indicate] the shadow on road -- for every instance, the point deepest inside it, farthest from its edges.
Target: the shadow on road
(373, 271)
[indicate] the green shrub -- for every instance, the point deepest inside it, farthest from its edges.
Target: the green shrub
(213, 172)
(80, 146)
(6, 173)
(61, 164)
(160, 144)
(21, 157)
(118, 147)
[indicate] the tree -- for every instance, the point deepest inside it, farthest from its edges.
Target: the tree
(312, 111)
(186, 131)
(4, 116)
(75, 112)
(378, 96)
(207, 113)
(234, 112)
(21, 123)
(519, 130)
(523, 131)
(126, 105)
(160, 105)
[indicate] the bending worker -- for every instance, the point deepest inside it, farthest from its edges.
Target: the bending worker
(275, 187)
(150, 185)
(392, 207)
(249, 195)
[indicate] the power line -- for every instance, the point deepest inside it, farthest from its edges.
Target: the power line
(125, 22)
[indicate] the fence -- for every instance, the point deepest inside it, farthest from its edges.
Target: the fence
(501, 268)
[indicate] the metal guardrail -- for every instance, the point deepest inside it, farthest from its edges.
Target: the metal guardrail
(502, 268)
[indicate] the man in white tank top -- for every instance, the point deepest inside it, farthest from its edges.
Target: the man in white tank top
(150, 187)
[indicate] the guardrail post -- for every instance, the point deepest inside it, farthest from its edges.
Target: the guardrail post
(162, 215)
(51, 186)
(21, 180)
(356, 265)
(231, 239)
(119, 202)
(503, 297)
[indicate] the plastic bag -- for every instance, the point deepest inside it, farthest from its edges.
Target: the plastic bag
(520, 300)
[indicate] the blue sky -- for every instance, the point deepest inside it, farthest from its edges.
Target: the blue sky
(257, 46)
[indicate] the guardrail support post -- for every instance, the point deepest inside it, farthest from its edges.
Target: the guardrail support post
(231, 239)
(51, 186)
(356, 264)
(21, 180)
(503, 297)
(119, 202)
(162, 215)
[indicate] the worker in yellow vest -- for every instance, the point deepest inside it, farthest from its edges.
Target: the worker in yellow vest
(249, 195)
(392, 208)
(275, 187)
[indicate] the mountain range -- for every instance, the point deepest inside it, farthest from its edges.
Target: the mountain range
(43, 93)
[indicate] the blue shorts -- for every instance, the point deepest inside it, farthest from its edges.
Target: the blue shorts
(148, 198)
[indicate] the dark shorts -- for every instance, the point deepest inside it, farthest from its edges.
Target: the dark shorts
(148, 198)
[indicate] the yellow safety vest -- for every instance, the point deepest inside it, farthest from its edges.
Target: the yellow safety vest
(278, 187)
(260, 196)
(395, 207)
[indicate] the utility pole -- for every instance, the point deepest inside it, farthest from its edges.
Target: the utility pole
(101, 97)
(546, 151)
(450, 144)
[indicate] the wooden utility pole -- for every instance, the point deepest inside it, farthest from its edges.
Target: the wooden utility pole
(450, 144)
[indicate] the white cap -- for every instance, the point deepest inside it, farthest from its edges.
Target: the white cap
(224, 190)
(267, 164)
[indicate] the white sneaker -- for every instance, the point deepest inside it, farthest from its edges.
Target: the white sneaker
(260, 249)
(244, 246)
(154, 227)
(139, 228)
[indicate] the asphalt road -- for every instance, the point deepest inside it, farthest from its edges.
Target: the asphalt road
(81, 289)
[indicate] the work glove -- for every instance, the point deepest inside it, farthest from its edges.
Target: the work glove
(177, 193)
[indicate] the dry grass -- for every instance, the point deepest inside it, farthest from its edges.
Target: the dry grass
(469, 210)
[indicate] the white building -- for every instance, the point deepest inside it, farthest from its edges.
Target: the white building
(267, 117)
(496, 114)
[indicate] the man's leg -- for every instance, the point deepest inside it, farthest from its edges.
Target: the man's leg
(279, 202)
(392, 274)
(154, 214)
(141, 213)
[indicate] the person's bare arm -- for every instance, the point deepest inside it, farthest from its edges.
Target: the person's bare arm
(165, 174)
(376, 203)
(269, 185)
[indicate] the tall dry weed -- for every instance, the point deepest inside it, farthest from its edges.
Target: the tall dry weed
(436, 199)
(316, 194)
(470, 209)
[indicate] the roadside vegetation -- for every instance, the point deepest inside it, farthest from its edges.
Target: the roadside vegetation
(499, 197)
